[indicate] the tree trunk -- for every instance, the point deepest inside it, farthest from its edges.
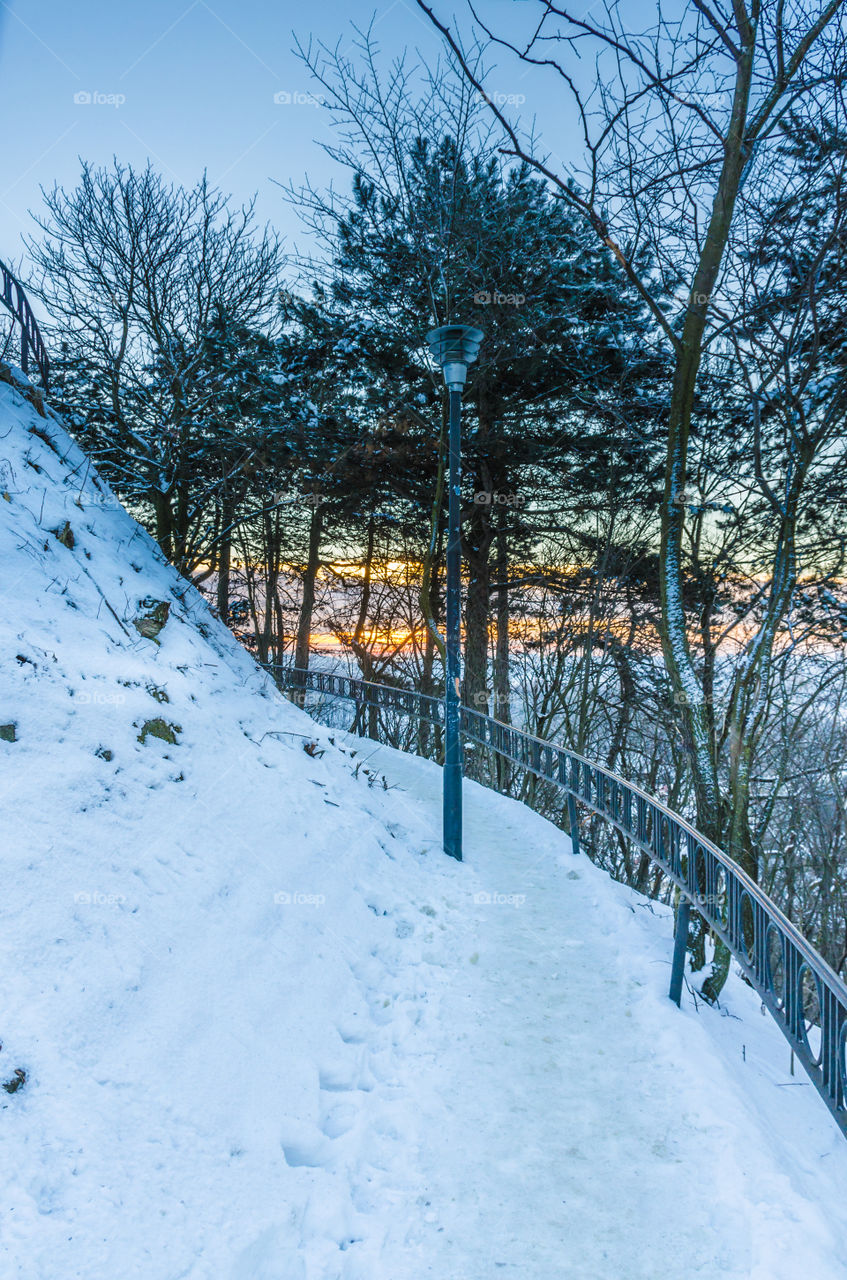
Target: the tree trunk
(502, 682)
(477, 546)
(224, 562)
(363, 655)
(304, 624)
(696, 714)
(164, 522)
(428, 594)
(429, 736)
(273, 540)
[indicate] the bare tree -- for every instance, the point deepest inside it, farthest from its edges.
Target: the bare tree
(136, 275)
(680, 128)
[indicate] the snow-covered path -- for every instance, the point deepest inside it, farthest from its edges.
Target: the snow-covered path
(574, 1123)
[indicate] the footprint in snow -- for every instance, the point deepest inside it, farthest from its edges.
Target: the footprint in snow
(270, 1256)
(351, 1034)
(338, 1080)
(339, 1120)
(304, 1145)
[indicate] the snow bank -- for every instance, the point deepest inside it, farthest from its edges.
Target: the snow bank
(197, 955)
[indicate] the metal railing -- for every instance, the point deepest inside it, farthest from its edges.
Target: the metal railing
(806, 998)
(14, 298)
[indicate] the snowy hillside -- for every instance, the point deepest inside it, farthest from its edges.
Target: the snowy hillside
(268, 1032)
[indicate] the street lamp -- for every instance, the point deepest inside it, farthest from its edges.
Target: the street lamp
(454, 346)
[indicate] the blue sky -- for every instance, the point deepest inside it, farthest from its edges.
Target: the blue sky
(189, 84)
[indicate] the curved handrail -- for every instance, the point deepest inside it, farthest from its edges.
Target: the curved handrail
(14, 298)
(795, 983)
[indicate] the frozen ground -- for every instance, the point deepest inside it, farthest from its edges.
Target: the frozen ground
(271, 1033)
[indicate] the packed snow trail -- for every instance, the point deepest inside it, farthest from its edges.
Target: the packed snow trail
(269, 1032)
(574, 1122)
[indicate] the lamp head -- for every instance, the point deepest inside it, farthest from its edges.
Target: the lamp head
(455, 346)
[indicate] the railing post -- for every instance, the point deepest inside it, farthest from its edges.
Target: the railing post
(573, 823)
(680, 946)
(13, 297)
(299, 689)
